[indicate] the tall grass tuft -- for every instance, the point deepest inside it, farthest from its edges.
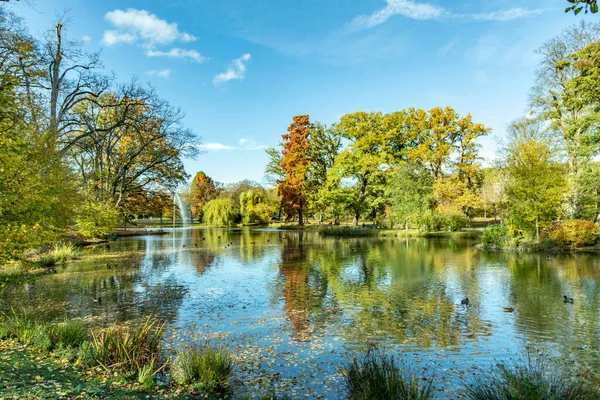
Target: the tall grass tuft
(374, 376)
(28, 330)
(533, 379)
(63, 252)
(126, 349)
(68, 334)
(204, 366)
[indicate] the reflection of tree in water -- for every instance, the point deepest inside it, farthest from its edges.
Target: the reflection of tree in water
(202, 259)
(398, 292)
(303, 287)
(537, 285)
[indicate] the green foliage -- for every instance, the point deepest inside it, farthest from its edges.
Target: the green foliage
(582, 5)
(97, 219)
(64, 252)
(253, 207)
(67, 334)
(534, 379)
(433, 221)
(536, 185)
(346, 231)
(219, 212)
(374, 376)
(576, 233)
(495, 236)
(411, 192)
(206, 367)
(126, 349)
(29, 330)
(260, 214)
(145, 376)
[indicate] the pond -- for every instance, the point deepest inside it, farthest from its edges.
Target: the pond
(292, 304)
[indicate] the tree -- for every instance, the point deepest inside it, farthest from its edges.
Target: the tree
(254, 207)
(130, 140)
(219, 212)
(202, 191)
(411, 192)
(295, 164)
(535, 187)
(582, 5)
(548, 95)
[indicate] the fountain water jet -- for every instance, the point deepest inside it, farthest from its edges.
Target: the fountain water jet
(183, 211)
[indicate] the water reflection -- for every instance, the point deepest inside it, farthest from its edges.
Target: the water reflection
(312, 297)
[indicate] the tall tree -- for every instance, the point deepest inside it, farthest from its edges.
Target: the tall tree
(535, 186)
(295, 164)
(411, 192)
(202, 191)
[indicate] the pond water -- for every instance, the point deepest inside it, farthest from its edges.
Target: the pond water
(292, 304)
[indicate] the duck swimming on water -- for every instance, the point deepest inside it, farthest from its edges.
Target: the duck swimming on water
(465, 301)
(567, 299)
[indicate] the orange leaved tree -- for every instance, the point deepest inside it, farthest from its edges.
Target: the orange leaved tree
(294, 164)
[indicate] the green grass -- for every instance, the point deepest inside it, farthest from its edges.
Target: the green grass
(530, 380)
(345, 231)
(375, 376)
(63, 252)
(29, 374)
(204, 366)
(29, 331)
(126, 349)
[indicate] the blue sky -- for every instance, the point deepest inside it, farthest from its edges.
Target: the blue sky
(240, 70)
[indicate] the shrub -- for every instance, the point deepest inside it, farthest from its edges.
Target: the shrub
(534, 379)
(374, 376)
(434, 221)
(576, 232)
(64, 252)
(68, 334)
(349, 232)
(495, 235)
(46, 261)
(261, 213)
(204, 366)
(126, 349)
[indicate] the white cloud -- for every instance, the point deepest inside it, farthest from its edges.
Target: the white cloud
(425, 11)
(244, 144)
(86, 39)
(114, 37)
(236, 71)
(164, 73)
(134, 25)
(177, 53)
(212, 146)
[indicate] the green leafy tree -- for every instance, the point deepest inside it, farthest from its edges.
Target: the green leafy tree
(535, 186)
(254, 207)
(411, 192)
(219, 212)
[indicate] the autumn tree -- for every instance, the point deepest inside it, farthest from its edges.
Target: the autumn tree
(295, 163)
(202, 191)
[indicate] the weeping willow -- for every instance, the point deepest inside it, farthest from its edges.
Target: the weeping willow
(218, 212)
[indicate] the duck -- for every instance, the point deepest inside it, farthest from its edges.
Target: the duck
(108, 266)
(98, 300)
(203, 238)
(508, 309)
(567, 299)
(465, 301)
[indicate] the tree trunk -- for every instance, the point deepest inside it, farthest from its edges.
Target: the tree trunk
(356, 217)
(300, 215)
(537, 229)
(57, 59)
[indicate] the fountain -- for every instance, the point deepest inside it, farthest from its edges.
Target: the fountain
(183, 211)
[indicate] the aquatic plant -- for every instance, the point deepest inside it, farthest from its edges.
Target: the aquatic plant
(145, 376)
(126, 349)
(535, 378)
(375, 376)
(204, 366)
(63, 252)
(345, 231)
